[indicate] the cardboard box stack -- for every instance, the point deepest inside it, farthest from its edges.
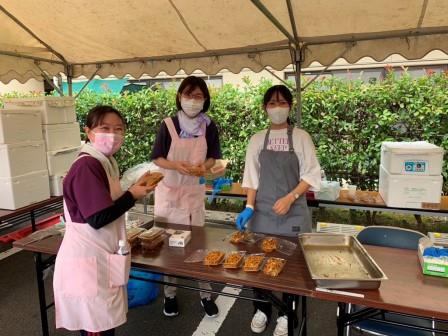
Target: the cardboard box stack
(23, 166)
(411, 174)
(59, 130)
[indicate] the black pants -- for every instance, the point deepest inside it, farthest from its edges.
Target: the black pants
(266, 307)
(110, 332)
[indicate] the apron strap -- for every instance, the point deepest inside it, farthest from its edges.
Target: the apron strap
(291, 144)
(171, 129)
(266, 139)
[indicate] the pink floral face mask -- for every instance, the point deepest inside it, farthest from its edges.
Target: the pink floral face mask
(107, 143)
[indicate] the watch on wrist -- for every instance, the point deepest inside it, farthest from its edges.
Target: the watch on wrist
(295, 195)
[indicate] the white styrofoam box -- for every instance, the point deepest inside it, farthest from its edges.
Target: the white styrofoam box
(409, 191)
(59, 161)
(22, 158)
(414, 158)
(60, 136)
(22, 190)
(19, 126)
(56, 185)
(54, 110)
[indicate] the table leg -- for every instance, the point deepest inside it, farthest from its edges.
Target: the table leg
(290, 303)
(341, 318)
(303, 324)
(41, 291)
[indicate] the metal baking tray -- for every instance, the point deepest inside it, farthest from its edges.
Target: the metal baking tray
(340, 262)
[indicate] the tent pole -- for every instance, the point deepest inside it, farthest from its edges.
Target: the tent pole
(272, 18)
(34, 58)
(29, 31)
(88, 81)
(298, 67)
(48, 80)
(69, 72)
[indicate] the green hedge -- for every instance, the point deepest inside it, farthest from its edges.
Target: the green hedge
(347, 119)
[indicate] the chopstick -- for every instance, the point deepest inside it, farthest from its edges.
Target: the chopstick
(334, 291)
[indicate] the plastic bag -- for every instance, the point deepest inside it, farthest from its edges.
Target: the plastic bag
(131, 175)
(142, 292)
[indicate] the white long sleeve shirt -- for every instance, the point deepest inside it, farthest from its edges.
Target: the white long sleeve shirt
(278, 141)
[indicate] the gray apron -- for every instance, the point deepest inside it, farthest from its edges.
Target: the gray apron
(279, 174)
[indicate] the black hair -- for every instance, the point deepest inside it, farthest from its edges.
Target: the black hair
(96, 115)
(188, 85)
(283, 90)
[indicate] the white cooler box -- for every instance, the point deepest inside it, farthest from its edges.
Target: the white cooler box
(19, 191)
(59, 161)
(412, 158)
(54, 110)
(19, 126)
(60, 136)
(22, 158)
(56, 185)
(409, 191)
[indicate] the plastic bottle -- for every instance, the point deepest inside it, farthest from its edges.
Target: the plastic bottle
(122, 248)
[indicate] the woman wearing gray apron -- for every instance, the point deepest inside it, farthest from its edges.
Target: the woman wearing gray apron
(281, 165)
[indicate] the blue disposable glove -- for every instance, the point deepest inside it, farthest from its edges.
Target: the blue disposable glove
(243, 218)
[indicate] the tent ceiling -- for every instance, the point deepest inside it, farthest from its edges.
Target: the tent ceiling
(148, 36)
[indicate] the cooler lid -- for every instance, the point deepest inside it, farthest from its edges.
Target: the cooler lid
(411, 147)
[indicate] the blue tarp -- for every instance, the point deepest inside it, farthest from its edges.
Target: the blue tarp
(98, 85)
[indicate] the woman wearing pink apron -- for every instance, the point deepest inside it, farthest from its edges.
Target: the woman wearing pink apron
(188, 140)
(90, 277)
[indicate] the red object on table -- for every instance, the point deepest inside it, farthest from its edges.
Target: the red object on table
(21, 233)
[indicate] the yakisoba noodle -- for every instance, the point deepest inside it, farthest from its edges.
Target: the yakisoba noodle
(253, 262)
(213, 258)
(233, 259)
(273, 266)
(269, 244)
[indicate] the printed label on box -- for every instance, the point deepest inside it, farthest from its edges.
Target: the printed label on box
(415, 166)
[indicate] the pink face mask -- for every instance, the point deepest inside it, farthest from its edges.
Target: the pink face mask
(107, 143)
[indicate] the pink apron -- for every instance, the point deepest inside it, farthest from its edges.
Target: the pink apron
(180, 198)
(90, 278)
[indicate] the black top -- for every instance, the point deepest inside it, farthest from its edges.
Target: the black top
(163, 140)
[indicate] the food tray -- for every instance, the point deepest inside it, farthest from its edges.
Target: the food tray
(339, 261)
(234, 259)
(253, 262)
(274, 266)
(132, 235)
(213, 258)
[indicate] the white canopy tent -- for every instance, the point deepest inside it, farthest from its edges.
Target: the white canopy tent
(136, 37)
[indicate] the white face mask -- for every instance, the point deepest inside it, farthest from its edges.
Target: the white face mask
(191, 107)
(278, 115)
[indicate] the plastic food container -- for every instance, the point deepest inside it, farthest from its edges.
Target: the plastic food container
(234, 259)
(274, 266)
(214, 258)
(253, 262)
(269, 244)
(132, 235)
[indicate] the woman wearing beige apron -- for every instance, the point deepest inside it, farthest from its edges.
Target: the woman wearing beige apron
(281, 165)
(90, 277)
(186, 145)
